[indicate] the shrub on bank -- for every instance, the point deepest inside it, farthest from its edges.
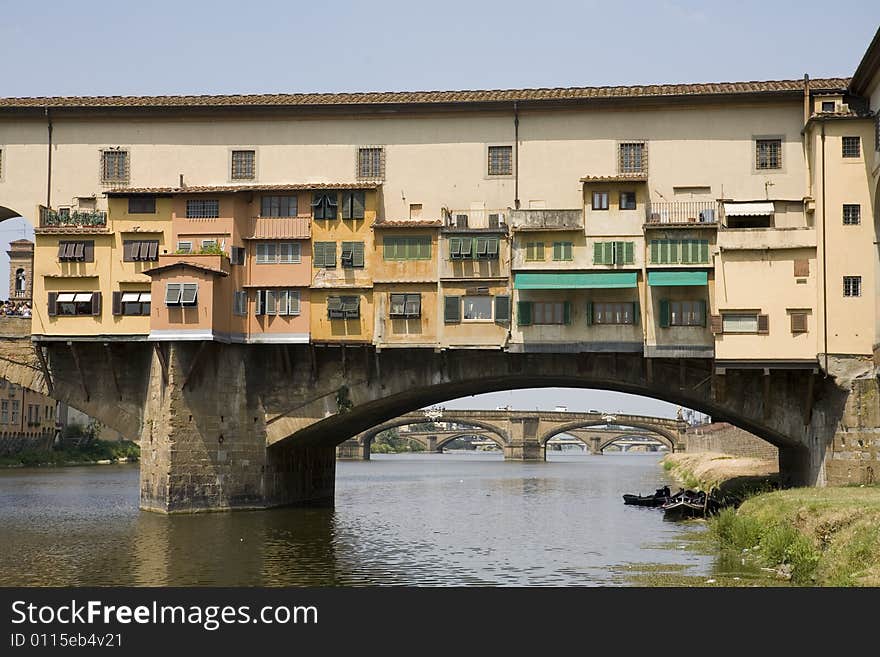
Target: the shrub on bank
(98, 450)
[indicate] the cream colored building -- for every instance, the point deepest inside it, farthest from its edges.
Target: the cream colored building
(733, 221)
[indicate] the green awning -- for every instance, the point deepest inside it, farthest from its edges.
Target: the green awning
(668, 278)
(569, 281)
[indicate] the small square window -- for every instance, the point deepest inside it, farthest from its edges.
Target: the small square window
(114, 166)
(500, 160)
(244, 165)
(827, 105)
(852, 214)
(852, 147)
(202, 208)
(627, 200)
(768, 153)
(600, 200)
(632, 157)
(371, 162)
(852, 286)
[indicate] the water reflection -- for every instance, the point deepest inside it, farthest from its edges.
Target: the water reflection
(449, 519)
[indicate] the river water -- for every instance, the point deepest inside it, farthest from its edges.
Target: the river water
(407, 519)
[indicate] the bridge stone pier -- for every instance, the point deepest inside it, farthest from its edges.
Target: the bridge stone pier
(226, 426)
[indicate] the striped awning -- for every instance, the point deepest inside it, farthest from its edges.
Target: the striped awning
(575, 280)
(677, 278)
(756, 209)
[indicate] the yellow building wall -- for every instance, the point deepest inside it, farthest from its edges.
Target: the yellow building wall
(406, 332)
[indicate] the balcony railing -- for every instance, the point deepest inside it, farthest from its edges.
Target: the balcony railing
(683, 212)
(50, 218)
(475, 219)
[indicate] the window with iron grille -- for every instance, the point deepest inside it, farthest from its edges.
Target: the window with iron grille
(244, 165)
(500, 160)
(142, 205)
(852, 213)
(114, 166)
(768, 153)
(852, 147)
(405, 306)
(278, 206)
(852, 286)
(371, 162)
(197, 208)
(632, 157)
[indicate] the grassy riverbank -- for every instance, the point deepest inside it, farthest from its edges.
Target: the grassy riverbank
(98, 451)
(809, 536)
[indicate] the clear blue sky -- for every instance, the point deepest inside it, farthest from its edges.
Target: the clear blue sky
(96, 47)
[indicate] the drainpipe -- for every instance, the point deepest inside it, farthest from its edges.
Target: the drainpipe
(824, 260)
(49, 165)
(515, 156)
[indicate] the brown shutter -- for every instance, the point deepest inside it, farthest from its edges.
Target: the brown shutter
(53, 303)
(89, 253)
(96, 303)
(117, 303)
(763, 324)
(798, 322)
(62, 247)
(716, 324)
(801, 267)
(126, 250)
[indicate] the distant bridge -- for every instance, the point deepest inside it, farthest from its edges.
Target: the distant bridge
(521, 435)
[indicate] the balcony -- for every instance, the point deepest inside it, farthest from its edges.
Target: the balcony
(474, 220)
(526, 220)
(682, 213)
(274, 228)
(50, 218)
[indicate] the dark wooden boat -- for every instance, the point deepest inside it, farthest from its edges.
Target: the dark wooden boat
(689, 504)
(661, 496)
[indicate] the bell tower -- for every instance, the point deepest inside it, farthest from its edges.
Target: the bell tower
(21, 270)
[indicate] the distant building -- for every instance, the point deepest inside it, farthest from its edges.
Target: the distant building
(21, 270)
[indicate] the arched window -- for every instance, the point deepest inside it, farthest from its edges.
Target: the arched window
(19, 280)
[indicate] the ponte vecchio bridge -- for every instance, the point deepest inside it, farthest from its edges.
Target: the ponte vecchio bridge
(522, 435)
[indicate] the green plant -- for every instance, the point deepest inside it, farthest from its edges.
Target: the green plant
(213, 249)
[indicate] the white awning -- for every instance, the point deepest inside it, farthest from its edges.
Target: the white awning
(130, 296)
(65, 297)
(145, 297)
(759, 208)
(82, 297)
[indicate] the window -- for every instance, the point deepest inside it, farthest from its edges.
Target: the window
(278, 206)
(15, 411)
(408, 248)
(799, 322)
(281, 252)
(600, 200)
(197, 208)
(801, 267)
(477, 307)
(852, 286)
(627, 200)
(852, 214)
(236, 255)
(352, 255)
(632, 157)
(182, 294)
(131, 303)
(371, 162)
(534, 251)
(353, 204)
(140, 250)
(244, 165)
(500, 160)
(141, 205)
(415, 210)
(184, 247)
(612, 313)
(687, 252)
(4, 411)
(239, 303)
(613, 253)
(405, 306)
(343, 307)
(76, 251)
(451, 310)
(768, 153)
(553, 312)
(277, 302)
(740, 322)
(114, 166)
(852, 147)
(682, 313)
(562, 250)
(827, 105)
(324, 205)
(209, 245)
(324, 254)
(74, 303)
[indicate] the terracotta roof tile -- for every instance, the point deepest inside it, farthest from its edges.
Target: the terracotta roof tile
(224, 189)
(408, 223)
(623, 177)
(425, 97)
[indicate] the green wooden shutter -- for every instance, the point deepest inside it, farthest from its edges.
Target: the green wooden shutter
(357, 259)
(524, 313)
(673, 250)
(704, 251)
(664, 252)
(598, 253)
(424, 248)
(687, 252)
(387, 249)
(452, 310)
(317, 254)
(628, 253)
(589, 313)
(539, 251)
(330, 255)
(701, 308)
(617, 251)
(655, 251)
(664, 313)
(358, 203)
(557, 250)
(637, 313)
(502, 309)
(566, 312)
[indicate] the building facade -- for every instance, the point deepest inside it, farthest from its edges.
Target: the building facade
(736, 222)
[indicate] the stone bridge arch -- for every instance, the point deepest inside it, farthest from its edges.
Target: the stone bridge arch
(670, 438)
